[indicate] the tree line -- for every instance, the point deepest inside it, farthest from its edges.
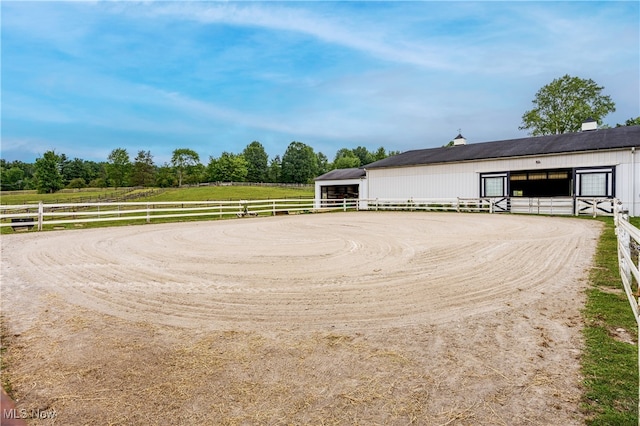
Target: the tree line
(299, 164)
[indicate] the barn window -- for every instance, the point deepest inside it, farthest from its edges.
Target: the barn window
(493, 185)
(595, 182)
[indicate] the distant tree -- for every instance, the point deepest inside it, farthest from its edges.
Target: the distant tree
(630, 122)
(299, 163)
(183, 160)
(75, 169)
(96, 170)
(143, 173)
(228, 168)
(364, 155)
(165, 177)
(64, 167)
(323, 164)
(380, 154)
(194, 174)
(26, 181)
(15, 175)
(345, 159)
(47, 173)
(11, 179)
(275, 170)
(118, 167)
(257, 162)
(79, 169)
(562, 105)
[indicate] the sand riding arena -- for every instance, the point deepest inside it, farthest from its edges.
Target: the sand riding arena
(339, 318)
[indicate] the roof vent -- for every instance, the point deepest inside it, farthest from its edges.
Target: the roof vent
(589, 124)
(459, 140)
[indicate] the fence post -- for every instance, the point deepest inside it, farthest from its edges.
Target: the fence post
(40, 215)
(148, 214)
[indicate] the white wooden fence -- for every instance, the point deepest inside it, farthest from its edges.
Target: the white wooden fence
(628, 237)
(42, 214)
(27, 216)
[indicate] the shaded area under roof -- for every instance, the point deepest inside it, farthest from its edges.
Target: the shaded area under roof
(595, 140)
(340, 174)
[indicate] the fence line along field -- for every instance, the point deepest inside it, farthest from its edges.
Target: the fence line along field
(343, 318)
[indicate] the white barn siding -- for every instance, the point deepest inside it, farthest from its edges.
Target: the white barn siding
(462, 179)
(435, 181)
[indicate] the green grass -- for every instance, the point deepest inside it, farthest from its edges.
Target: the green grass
(65, 196)
(231, 193)
(204, 193)
(609, 366)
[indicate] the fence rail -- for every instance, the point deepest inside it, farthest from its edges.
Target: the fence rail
(628, 238)
(430, 204)
(41, 214)
(27, 216)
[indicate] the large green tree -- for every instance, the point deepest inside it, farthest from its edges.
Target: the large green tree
(16, 175)
(165, 176)
(299, 163)
(380, 154)
(345, 159)
(184, 160)
(364, 155)
(48, 175)
(143, 173)
(11, 179)
(275, 170)
(323, 163)
(257, 162)
(77, 169)
(562, 105)
(118, 167)
(228, 168)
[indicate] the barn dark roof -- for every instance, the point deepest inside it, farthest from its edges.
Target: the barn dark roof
(595, 140)
(339, 174)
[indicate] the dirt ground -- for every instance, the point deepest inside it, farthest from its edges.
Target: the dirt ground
(364, 318)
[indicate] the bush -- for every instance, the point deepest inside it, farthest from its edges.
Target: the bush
(98, 183)
(77, 183)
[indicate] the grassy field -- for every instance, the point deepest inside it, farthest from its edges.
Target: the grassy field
(231, 193)
(609, 363)
(204, 193)
(65, 196)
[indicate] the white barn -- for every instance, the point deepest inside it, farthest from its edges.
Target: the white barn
(591, 163)
(340, 184)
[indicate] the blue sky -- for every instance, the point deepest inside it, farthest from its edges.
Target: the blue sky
(83, 78)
